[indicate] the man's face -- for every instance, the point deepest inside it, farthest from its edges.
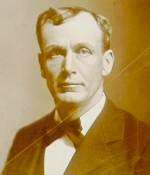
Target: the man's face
(72, 58)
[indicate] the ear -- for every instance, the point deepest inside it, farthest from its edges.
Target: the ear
(107, 62)
(41, 62)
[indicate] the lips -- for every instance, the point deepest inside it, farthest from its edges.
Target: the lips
(70, 86)
(66, 84)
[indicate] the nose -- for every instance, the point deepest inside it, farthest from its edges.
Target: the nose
(69, 66)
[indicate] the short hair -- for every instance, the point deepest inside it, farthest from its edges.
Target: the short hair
(59, 15)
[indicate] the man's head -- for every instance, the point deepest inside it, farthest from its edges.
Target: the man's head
(75, 52)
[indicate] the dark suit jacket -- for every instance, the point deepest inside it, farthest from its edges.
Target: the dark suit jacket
(116, 144)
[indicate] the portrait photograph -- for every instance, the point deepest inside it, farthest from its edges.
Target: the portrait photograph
(75, 87)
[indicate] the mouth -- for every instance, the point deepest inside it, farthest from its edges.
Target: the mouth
(70, 86)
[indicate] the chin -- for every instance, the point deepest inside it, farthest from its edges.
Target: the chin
(72, 97)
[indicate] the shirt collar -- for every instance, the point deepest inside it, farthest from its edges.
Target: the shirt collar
(89, 117)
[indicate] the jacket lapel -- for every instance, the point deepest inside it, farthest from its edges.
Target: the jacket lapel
(94, 150)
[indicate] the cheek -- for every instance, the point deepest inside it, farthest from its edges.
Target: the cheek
(53, 67)
(91, 69)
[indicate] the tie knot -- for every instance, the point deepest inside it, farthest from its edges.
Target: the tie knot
(73, 130)
(73, 125)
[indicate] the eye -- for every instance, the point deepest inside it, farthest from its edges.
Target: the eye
(84, 51)
(55, 53)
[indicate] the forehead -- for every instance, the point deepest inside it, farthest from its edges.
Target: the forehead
(81, 28)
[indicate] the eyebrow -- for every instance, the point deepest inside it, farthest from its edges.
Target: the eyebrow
(53, 46)
(85, 44)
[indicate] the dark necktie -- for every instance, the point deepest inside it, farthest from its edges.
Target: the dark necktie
(72, 130)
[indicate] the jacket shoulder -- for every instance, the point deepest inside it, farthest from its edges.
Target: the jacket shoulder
(130, 120)
(29, 134)
(135, 127)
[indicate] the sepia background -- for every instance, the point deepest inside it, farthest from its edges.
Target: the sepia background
(23, 93)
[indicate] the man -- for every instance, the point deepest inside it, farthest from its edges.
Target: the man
(86, 133)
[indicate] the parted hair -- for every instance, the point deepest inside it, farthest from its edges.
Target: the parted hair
(57, 16)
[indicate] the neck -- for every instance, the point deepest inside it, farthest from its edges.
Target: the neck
(68, 111)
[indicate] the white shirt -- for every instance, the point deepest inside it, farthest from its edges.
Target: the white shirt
(59, 153)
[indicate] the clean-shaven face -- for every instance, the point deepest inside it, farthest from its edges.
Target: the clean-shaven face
(73, 58)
